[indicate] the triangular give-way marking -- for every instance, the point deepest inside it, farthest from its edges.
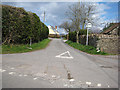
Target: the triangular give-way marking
(65, 55)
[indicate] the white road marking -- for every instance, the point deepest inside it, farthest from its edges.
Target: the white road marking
(71, 80)
(60, 56)
(99, 85)
(88, 83)
(64, 40)
(35, 78)
(12, 68)
(25, 75)
(53, 76)
(11, 73)
(2, 70)
(20, 75)
(58, 77)
(45, 74)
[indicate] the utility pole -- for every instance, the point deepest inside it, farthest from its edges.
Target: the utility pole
(44, 17)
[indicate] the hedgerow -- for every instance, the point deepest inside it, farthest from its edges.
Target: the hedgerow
(19, 26)
(72, 35)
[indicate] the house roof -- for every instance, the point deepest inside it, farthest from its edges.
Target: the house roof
(115, 25)
(52, 30)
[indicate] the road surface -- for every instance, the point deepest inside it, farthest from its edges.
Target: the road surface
(59, 66)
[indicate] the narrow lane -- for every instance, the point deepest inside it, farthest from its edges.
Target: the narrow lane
(42, 69)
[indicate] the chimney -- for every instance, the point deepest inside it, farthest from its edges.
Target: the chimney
(56, 27)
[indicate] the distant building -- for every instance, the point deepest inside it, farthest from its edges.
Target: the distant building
(53, 32)
(113, 29)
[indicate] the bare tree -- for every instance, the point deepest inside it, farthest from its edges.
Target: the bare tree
(66, 26)
(74, 16)
(88, 10)
(80, 14)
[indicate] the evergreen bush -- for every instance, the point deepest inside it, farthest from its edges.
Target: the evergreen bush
(19, 26)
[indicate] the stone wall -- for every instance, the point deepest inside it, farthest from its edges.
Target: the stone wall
(92, 40)
(106, 43)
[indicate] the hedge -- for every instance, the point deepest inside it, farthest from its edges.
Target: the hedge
(19, 26)
(72, 35)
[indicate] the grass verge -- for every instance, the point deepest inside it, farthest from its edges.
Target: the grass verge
(84, 48)
(7, 49)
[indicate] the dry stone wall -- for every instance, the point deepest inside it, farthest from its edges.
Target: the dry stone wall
(106, 43)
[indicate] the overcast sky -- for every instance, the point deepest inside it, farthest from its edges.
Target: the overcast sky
(55, 11)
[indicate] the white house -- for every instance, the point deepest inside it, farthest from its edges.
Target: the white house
(53, 31)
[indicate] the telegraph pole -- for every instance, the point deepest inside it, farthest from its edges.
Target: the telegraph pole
(44, 17)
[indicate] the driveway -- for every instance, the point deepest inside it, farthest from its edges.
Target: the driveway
(59, 66)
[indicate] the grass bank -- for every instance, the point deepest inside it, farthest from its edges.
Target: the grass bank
(6, 49)
(84, 48)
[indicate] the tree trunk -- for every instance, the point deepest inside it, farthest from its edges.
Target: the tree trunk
(68, 36)
(5, 41)
(10, 37)
(30, 42)
(83, 25)
(77, 37)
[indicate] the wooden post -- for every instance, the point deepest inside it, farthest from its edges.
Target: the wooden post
(67, 36)
(30, 42)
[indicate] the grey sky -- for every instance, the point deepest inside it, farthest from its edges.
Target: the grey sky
(55, 11)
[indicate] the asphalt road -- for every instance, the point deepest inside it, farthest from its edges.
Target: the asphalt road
(59, 66)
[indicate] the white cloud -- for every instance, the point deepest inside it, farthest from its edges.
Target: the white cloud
(49, 11)
(55, 12)
(99, 17)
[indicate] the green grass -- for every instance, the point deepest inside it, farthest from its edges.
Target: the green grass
(64, 38)
(84, 48)
(24, 48)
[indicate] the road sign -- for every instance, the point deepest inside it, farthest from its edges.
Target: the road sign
(89, 25)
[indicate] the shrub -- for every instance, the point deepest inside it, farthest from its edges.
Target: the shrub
(72, 35)
(18, 26)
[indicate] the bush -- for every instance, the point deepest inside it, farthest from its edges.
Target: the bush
(72, 35)
(18, 26)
